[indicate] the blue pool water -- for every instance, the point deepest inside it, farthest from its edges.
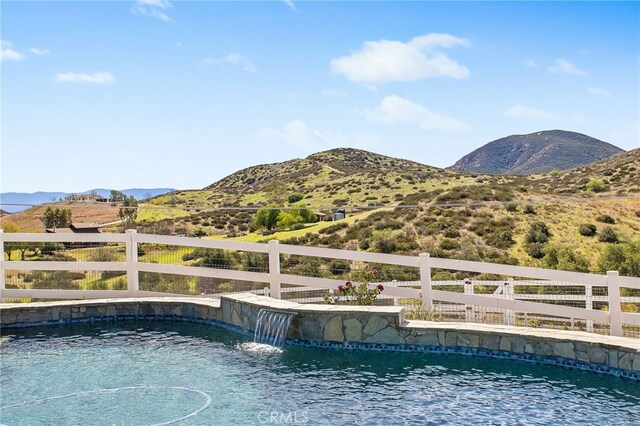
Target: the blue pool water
(145, 372)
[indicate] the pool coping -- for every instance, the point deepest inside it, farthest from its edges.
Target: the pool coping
(618, 356)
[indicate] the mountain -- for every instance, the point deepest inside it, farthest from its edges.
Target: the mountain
(8, 200)
(539, 152)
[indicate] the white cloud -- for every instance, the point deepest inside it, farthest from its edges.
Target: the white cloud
(153, 8)
(394, 109)
(531, 63)
(98, 78)
(233, 59)
(290, 4)
(8, 53)
(384, 61)
(598, 92)
(299, 135)
(562, 66)
(39, 52)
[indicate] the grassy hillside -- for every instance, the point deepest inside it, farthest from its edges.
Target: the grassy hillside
(31, 220)
(400, 206)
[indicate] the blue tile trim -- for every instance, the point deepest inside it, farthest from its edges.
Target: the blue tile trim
(460, 350)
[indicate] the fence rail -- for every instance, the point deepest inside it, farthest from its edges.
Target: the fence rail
(466, 300)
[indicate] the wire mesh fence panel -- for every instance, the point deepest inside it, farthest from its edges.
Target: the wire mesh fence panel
(64, 252)
(217, 286)
(630, 303)
(65, 280)
(203, 257)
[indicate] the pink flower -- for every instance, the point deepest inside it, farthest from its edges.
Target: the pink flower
(374, 271)
(341, 288)
(380, 287)
(348, 284)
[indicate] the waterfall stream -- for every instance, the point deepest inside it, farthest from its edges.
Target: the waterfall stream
(272, 327)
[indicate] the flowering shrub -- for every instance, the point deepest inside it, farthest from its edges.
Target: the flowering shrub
(358, 293)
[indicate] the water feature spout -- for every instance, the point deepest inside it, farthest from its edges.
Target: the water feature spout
(272, 327)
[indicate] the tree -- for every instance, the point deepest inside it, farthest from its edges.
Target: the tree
(288, 219)
(10, 228)
(268, 217)
(624, 258)
(116, 195)
(129, 211)
(564, 258)
(57, 218)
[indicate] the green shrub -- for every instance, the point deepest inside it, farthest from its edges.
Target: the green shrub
(449, 244)
(333, 228)
(624, 258)
(609, 235)
(511, 207)
(595, 185)
(538, 233)
(605, 218)
(587, 230)
(452, 233)
(295, 197)
(535, 250)
(529, 209)
(565, 259)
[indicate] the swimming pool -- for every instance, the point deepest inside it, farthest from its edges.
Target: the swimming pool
(164, 372)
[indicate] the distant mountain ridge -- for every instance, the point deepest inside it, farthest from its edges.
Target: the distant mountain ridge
(539, 152)
(41, 197)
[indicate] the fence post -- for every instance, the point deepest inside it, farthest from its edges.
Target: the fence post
(133, 283)
(615, 310)
(395, 298)
(470, 313)
(425, 281)
(509, 294)
(2, 277)
(274, 269)
(588, 297)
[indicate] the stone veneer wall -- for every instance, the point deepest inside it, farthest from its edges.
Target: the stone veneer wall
(354, 327)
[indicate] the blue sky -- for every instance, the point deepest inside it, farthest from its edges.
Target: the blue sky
(179, 94)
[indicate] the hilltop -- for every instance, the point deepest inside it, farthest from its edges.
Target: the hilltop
(538, 152)
(339, 164)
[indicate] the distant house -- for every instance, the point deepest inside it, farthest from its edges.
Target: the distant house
(84, 198)
(76, 228)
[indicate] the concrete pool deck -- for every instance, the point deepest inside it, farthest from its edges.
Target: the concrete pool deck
(352, 327)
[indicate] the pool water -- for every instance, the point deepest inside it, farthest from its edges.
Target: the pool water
(148, 372)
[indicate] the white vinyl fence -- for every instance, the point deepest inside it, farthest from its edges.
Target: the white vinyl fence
(526, 296)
